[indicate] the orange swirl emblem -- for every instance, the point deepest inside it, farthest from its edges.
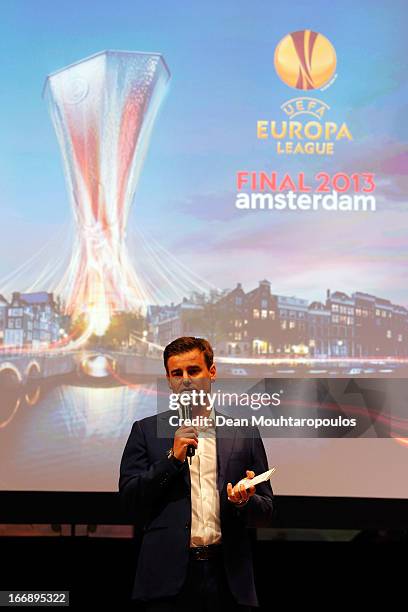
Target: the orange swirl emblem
(305, 60)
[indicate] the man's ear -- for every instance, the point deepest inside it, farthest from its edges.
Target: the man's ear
(168, 381)
(213, 372)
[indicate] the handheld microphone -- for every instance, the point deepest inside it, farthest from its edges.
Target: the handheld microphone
(187, 413)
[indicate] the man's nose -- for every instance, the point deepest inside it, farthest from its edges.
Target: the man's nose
(186, 380)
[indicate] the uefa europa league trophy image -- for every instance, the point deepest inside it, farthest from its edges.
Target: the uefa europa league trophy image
(103, 109)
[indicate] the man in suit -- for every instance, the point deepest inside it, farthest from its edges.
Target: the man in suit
(196, 547)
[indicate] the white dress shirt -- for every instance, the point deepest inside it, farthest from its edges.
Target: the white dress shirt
(205, 501)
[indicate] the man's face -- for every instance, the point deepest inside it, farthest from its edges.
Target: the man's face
(189, 371)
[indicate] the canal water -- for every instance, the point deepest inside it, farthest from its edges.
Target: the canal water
(63, 436)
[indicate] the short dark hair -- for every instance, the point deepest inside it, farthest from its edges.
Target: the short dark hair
(186, 344)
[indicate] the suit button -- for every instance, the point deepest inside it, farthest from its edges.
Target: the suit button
(187, 525)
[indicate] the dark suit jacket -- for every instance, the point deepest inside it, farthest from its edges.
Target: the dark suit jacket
(157, 496)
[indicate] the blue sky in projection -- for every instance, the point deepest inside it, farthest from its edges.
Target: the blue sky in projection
(220, 55)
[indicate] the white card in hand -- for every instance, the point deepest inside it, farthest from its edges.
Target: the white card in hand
(249, 482)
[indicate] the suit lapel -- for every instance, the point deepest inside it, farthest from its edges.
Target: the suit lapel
(224, 449)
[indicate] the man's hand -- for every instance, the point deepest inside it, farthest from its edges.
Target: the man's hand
(238, 494)
(185, 436)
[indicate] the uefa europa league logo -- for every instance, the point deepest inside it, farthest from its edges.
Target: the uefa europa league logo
(305, 60)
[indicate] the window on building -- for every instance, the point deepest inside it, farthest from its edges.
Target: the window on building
(18, 323)
(264, 303)
(264, 314)
(389, 334)
(272, 314)
(238, 300)
(283, 324)
(335, 308)
(11, 323)
(292, 324)
(255, 313)
(237, 336)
